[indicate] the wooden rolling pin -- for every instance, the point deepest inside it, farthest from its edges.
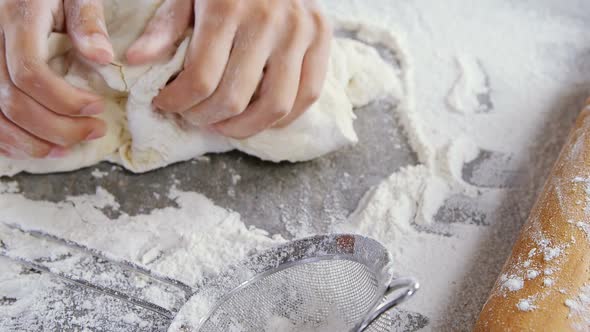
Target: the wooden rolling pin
(550, 262)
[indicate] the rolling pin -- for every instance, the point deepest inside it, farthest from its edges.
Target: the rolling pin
(550, 261)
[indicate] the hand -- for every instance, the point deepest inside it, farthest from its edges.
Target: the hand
(42, 115)
(251, 64)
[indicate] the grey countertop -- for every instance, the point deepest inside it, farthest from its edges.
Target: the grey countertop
(290, 199)
(294, 199)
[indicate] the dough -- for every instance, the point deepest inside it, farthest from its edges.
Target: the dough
(141, 140)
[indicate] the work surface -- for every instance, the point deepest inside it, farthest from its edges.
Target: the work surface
(270, 196)
(299, 199)
(289, 199)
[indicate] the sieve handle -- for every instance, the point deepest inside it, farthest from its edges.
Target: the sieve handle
(392, 299)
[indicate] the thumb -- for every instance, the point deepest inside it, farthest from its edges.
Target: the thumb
(159, 38)
(87, 29)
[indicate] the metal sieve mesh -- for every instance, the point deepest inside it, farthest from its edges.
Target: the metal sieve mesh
(323, 283)
(321, 295)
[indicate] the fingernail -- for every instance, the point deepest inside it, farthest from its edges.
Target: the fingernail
(93, 109)
(57, 152)
(104, 49)
(94, 135)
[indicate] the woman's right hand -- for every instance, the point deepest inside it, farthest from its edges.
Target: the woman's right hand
(41, 115)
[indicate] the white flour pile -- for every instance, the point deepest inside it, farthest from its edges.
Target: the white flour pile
(498, 77)
(170, 241)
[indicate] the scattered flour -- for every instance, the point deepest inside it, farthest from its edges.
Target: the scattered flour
(175, 235)
(584, 227)
(580, 309)
(8, 187)
(551, 253)
(283, 324)
(525, 305)
(504, 95)
(532, 274)
(548, 282)
(235, 178)
(471, 85)
(532, 252)
(513, 284)
(97, 173)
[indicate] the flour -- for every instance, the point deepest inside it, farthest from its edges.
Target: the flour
(470, 93)
(488, 79)
(99, 174)
(172, 235)
(512, 283)
(548, 282)
(580, 309)
(498, 76)
(169, 241)
(525, 305)
(551, 253)
(8, 187)
(531, 274)
(193, 312)
(283, 324)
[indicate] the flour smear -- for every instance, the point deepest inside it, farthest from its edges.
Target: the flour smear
(500, 78)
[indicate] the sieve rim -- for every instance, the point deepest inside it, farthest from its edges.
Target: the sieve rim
(336, 246)
(381, 288)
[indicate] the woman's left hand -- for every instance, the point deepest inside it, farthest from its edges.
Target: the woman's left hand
(251, 65)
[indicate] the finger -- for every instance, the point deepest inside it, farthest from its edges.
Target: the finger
(313, 71)
(19, 144)
(42, 123)
(162, 32)
(39, 121)
(240, 78)
(207, 57)
(87, 29)
(29, 71)
(277, 93)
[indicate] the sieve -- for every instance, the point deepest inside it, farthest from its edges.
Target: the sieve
(338, 282)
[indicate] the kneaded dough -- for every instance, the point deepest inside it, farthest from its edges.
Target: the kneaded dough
(141, 139)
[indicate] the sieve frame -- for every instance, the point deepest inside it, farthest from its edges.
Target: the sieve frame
(380, 288)
(409, 285)
(349, 247)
